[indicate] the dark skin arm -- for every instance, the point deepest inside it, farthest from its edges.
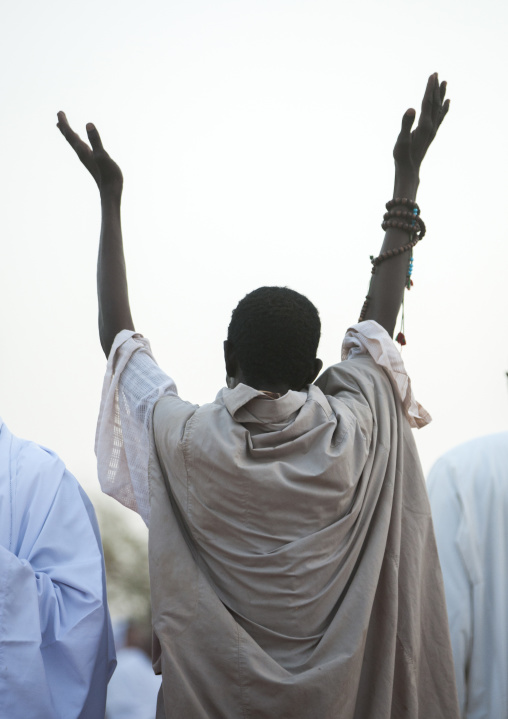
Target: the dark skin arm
(387, 286)
(114, 308)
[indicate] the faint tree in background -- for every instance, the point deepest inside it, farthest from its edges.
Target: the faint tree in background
(125, 543)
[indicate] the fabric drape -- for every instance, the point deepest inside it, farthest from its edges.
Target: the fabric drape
(321, 596)
(56, 645)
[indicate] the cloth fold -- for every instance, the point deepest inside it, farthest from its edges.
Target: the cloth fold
(370, 337)
(133, 383)
(293, 565)
(56, 644)
(294, 572)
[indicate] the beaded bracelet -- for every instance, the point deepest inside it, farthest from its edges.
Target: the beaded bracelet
(404, 202)
(415, 227)
(376, 261)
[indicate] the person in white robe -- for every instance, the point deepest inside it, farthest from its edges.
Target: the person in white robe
(468, 491)
(293, 565)
(56, 644)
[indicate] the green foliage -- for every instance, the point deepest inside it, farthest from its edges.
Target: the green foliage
(125, 543)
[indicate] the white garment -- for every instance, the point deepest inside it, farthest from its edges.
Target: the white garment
(133, 383)
(370, 338)
(56, 644)
(133, 689)
(468, 490)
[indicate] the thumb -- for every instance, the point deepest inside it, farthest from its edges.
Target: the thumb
(94, 137)
(407, 123)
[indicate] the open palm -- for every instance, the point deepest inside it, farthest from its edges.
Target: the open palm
(411, 147)
(99, 164)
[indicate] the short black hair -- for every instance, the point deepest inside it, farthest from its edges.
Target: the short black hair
(275, 333)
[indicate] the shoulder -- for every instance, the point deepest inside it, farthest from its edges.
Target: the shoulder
(170, 417)
(43, 496)
(473, 452)
(481, 462)
(172, 410)
(29, 463)
(37, 476)
(360, 383)
(361, 371)
(36, 464)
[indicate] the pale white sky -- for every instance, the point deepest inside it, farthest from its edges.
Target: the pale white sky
(255, 140)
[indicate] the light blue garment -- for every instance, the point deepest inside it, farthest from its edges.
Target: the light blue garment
(132, 693)
(56, 644)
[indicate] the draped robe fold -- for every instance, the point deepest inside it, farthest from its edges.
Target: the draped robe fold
(56, 644)
(293, 564)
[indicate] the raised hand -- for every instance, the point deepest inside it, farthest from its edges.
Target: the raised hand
(99, 164)
(114, 309)
(411, 147)
(390, 278)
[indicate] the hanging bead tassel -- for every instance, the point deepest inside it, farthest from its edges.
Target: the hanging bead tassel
(409, 281)
(401, 338)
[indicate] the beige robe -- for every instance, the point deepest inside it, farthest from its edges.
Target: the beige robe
(293, 564)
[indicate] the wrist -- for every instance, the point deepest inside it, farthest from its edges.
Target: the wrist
(406, 183)
(111, 196)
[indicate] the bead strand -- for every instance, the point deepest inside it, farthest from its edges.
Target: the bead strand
(407, 214)
(414, 226)
(376, 261)
(404, 202)
(409, 281)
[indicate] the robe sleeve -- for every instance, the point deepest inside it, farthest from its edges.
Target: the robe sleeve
(56, 649)
(370, 338)
(132, 385)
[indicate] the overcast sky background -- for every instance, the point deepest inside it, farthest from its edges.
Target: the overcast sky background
(255, 140)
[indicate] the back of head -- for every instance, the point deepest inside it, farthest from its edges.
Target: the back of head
(275, 334)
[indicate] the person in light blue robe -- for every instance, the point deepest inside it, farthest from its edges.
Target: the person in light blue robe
(56, 644)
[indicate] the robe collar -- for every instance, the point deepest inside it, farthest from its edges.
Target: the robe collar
(246, 404)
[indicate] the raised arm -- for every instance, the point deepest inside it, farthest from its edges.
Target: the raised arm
(112, 291)
(390, 276)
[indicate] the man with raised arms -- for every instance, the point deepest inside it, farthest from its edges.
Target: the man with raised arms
(293, 565)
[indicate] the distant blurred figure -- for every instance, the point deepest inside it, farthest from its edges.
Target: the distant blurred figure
(132, 692)
(56, 644)
(468, 489)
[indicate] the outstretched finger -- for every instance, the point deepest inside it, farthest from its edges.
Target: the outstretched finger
(429, 93)
(442, 91)
(436, 102)
(74, 140)
(444, 111)
(94, 137)
(82, 150)
(66, 129)
(437, 90)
